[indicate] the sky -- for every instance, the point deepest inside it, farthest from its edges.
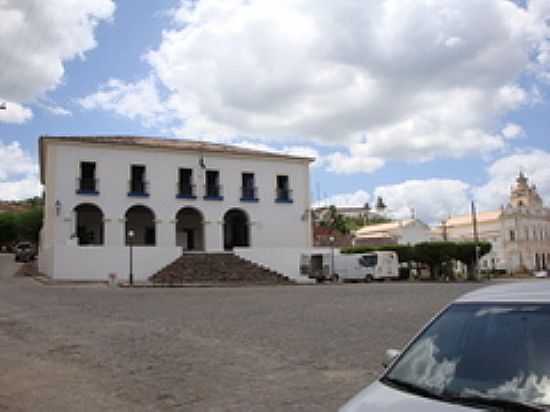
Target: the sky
(428, 104)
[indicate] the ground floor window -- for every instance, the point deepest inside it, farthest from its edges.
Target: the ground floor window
(89, 224)
(141, 221)
(236, 229)
(189, 229)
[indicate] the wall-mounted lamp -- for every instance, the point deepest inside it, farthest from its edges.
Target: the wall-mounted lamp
(57, 207)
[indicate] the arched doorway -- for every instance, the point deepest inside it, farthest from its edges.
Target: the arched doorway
(141, 220)
(235, 229)
(89, 224)
(189, 229)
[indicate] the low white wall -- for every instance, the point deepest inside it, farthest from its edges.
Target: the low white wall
(283, 260)
(45, 260)
(96, 262)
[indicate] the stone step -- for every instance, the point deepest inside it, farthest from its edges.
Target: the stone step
(215, 268)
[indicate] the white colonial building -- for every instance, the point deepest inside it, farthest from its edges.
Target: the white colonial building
(169, 196)
(519, 232)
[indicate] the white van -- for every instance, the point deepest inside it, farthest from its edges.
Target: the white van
(367, 267)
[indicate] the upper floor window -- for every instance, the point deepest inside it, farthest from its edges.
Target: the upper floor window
(512, 236)
(248, 189)
(87, 182)
(186, 188)
(138, 184)
(213, 189)
(283, 191)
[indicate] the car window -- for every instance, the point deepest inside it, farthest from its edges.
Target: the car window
(494, 350)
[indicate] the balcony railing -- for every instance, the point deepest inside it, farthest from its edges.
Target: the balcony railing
(213, 192)
(139, 188)
(283, 195)
(87, 186)
(185, 191)
(249, 194)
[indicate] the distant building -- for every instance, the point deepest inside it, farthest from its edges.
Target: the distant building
(403, 232)
(519, 232)
(353, 211)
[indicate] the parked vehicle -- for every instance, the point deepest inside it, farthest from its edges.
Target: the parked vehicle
(488, 350)
(316, 266)
(24, 252)
(365, 267)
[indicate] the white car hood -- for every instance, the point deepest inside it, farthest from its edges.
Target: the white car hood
(382, 398)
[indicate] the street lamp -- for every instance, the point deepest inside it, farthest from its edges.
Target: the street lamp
(331, 240)
(131, 235)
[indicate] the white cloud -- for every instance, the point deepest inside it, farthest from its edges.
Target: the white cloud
(14, 113)
(39, 36)
(436, 199)
(15, 161)
(503, 172)
(18, 173)
(302, 151)
(352, 163)
(512, 131)
(140, 100)
(393, 79)
(431, 199)
(20, 189)
(57, 110)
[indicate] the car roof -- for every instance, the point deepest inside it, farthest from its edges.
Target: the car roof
(530, 291)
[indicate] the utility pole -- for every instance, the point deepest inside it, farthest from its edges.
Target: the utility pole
(476, 237)
(474, 222)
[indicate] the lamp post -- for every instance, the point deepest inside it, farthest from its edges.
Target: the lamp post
(131, 235)
(331, 240)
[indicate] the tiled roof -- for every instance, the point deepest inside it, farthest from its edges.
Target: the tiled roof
(166, 144)
(481, 217)
(383, 227)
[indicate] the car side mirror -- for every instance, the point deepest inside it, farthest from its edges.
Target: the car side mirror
(390, 356)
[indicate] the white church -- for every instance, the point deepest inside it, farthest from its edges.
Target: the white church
(165, 197)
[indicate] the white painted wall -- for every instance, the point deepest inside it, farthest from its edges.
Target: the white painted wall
(413, 233)
(73, 262)
(286, 261)
(272, 225)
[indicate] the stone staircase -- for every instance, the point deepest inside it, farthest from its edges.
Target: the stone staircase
(216, 268)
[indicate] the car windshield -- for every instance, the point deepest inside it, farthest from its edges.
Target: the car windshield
(499, 351)
(24, 246)
(368, 260)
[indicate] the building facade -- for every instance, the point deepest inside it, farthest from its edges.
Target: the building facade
(163, 197)
(401, 232)
(519, 232)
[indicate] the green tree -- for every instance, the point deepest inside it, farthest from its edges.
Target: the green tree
(8, 232)
(466, 253)
(335, 220)
(436, 255)
(29, 223)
